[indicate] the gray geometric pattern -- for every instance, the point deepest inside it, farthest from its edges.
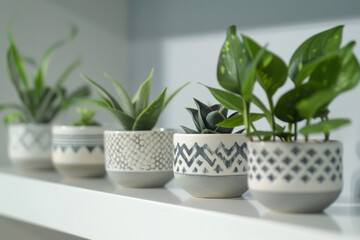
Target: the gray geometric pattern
(78, 141)
(205, 161)
(148, 151)
(308, 165)
(29, 139)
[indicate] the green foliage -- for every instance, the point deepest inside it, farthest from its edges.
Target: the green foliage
(320, 71)
(85, 118)
(206, 118)
(40, 103)
(136, 113)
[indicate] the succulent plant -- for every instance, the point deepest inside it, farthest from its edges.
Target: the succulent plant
(133, 114)
(86, 117)
(206, 118)
(39, 103)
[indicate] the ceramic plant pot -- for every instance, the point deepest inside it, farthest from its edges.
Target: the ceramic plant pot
(29, 146)
(295, 177)
(211, 165)
(78, 151)
(139, 159)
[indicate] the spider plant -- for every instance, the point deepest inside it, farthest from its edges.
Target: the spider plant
(39, 102)
(136, 113)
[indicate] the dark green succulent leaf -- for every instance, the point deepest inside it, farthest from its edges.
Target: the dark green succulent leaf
(324, 126)
(64, 76)
(203, 111)
(240, 131)
(107, 95)
(229, 100)
(188, 130)
(228, 72)
(215, 107)
(124, 97)
(12, 117)
(168, 99)
(124, 119)
(213, 118)
(149, 116)
(224, 111)
(141, 97)
(309, 54)
(208, 131)
(285, 108)
(271, 69)
(195, 117)
(238, 120)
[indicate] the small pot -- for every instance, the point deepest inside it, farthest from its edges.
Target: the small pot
(139, 159)
(211, 165)
(78, 151)
(295, 177)
(29, 146)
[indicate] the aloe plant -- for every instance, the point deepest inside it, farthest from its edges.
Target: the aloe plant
(85, 118)
(206, 117)
(320, 71)
(136, 113)
(40, 103)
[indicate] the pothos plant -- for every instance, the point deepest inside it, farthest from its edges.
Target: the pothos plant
(136, 113)
(40, 103)
(85, 117)
(320, 70)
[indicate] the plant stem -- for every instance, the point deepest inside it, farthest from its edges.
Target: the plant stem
(271, 105)
(327, 134)
(253, 127)
(246, 118)
(307, 124)
(295, 129)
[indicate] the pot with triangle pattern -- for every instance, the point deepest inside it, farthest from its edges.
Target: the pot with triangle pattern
(78, 151)
(211, 165)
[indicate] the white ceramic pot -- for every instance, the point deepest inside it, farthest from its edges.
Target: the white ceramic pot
(78, 151)
(139, 159)
(295, 177)
(29, 146)
(211, 165)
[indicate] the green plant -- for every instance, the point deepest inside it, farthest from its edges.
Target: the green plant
(135, 114)
(86, 117)
(206, 118)
(320, 71)
(39, 103)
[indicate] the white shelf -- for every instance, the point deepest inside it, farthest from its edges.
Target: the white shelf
(97, 209)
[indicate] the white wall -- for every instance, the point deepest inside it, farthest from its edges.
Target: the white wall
(39, 23)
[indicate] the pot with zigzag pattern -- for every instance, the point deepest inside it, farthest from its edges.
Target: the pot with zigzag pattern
(29, 146)
(296, 177)
(211, 165)
(78, 151)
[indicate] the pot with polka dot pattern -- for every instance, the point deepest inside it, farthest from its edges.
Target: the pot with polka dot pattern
(296, 177)
(139, 159)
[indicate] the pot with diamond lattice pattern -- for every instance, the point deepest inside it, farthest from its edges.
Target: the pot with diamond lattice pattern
(296, 177)
(29, 146)
(139, 159)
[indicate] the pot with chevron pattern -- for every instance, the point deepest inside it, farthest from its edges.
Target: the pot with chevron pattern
(78, 151)
(210, 162)
(211, 165)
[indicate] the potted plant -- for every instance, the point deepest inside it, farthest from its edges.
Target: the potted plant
(138, 156)
(288, 174)
(211, 162)
(78, 150)
(29, 137)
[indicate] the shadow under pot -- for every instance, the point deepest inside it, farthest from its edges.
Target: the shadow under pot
(139, 159)
(78, 151)
(29, 146)
(211, 165)
(298, 177)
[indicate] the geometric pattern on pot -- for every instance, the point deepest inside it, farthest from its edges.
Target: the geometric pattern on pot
(214, 158)
(78, 141)
(30, 137)
(295, 167)
(138, 150)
